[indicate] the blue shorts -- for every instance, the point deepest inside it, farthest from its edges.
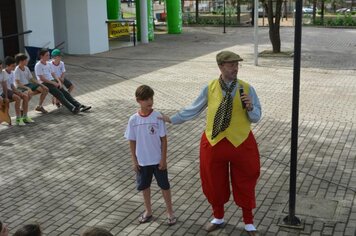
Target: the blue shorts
(145, 175)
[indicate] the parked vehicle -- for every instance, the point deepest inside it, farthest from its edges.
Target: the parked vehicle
(307, 10)
(342, 10)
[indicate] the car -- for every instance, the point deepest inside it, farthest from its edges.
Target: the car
(261, 12)
(342, 10)
(349, 10)
(307, 10)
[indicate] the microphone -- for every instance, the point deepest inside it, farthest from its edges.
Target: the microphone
(241, 90)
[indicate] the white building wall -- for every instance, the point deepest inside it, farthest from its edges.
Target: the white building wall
(98, 29)
(37, 16)
(77, 27)
(59, 23)
(86, 27)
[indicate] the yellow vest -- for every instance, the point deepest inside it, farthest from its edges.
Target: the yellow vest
(240, 125)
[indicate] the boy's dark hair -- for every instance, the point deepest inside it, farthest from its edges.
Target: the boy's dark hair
(96, 231)
(20, 57)
(0, 62)
(9, 61)
(43, 51)
(144, 92)
(29, 230)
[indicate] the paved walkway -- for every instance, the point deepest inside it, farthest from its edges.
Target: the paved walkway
(69, 172)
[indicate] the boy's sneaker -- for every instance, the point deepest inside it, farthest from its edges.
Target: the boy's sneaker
(19, 121)
(27, 120)
(84, 108)
(41, 109)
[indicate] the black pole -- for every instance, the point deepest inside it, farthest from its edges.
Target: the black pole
(224, 16)
(134, 33)
(196, 11)
(291, 219)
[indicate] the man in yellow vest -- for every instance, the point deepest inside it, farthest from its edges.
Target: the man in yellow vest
(227, 146)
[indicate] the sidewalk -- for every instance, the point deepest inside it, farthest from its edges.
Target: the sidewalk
(69, 172)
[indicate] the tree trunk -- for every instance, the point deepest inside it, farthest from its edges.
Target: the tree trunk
(314, 11)
(253, 13)
(274, 24)
(238, 12)
(196, 11)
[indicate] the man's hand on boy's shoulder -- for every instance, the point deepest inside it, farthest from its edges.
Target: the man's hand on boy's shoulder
(165, 118)
(162, 164)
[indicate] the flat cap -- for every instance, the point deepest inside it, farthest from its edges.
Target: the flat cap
(227, 56)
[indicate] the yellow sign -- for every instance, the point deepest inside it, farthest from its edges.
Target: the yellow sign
(117, 29)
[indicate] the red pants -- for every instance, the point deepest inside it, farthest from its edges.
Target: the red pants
(243, 165)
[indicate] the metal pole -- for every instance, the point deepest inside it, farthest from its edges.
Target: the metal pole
(196, 11)
(134, 33)
(255, 26)
(224, 16)
(291, 219)
(144, 21)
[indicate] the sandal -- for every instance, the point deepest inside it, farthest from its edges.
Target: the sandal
(144, 219)
(172, 221)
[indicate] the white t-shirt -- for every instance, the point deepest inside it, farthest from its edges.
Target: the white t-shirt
(2, 79)
(146, 131)
(10, 78)
(24, 76)
(45, 70)
(58, 69)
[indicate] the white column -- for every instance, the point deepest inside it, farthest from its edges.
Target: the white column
(144, 23)
(59, 24)
(37, 16)
(86, 26)
(98, 29)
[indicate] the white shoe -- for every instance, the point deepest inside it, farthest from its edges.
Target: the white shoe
(250, 227)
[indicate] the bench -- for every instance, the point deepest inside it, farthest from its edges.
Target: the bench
(4, 110)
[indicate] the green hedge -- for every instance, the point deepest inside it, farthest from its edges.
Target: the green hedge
(339, 20)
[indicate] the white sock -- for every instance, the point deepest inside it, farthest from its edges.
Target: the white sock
(217, 221)
(250, 227)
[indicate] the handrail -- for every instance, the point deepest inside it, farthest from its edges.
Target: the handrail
(15, 35)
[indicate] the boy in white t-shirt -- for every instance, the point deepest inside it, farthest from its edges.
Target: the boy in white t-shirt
(148, 144)
(59, 70)
(12, 93)
(26, 82)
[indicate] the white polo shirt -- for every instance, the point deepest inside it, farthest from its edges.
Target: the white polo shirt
(58, 69)
(45, 70)
(9, 78)
(147, 132)
(24, 76)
